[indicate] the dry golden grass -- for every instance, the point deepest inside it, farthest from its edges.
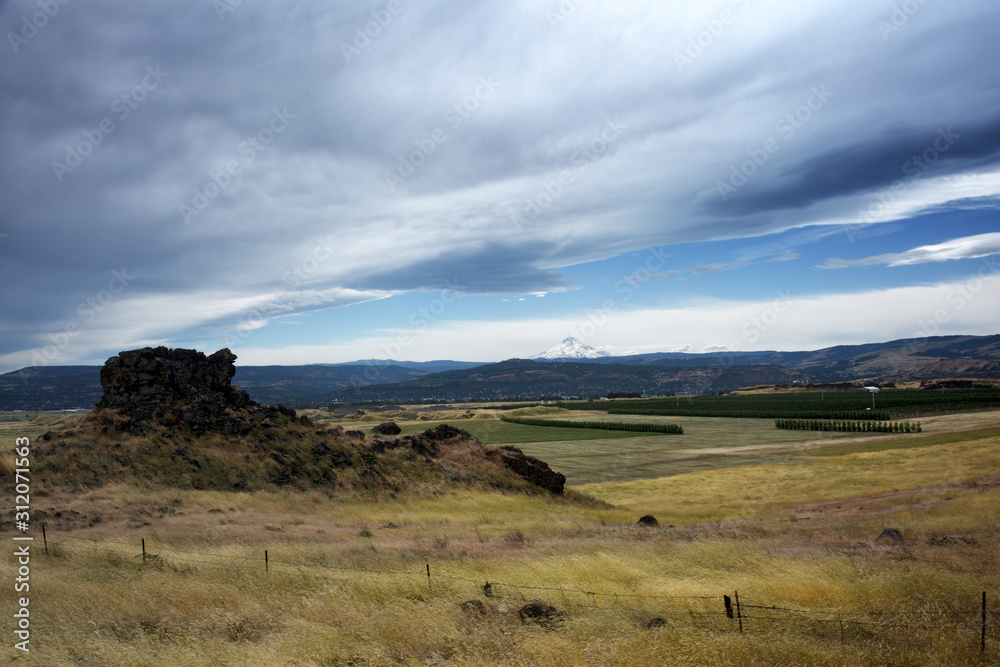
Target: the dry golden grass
(347, 582)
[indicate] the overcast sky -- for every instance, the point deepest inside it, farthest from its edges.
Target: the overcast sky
(324, 182)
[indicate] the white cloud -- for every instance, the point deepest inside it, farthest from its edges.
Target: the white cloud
(967, 247)
(786, 322)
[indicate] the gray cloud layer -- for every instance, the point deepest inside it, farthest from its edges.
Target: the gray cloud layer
(414, 151)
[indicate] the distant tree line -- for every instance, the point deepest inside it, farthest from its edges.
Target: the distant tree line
(852, 426)
(672, 429)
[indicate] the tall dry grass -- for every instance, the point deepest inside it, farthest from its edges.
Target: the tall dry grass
(347, 583)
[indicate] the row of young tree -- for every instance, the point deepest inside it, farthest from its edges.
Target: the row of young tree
(747, 414)
(852, 426)
(671, 429)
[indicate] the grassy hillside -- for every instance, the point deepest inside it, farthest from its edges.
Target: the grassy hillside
(347, 583)
(92, 451)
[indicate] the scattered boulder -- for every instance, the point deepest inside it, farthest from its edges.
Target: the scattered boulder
(387, 428)
(445, 432)
(539, 612)
(890, 535)
(429, 442)
(648, 520)
(657, 624)
(337, 457)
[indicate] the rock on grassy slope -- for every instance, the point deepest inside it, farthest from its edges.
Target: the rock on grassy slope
(171, 417)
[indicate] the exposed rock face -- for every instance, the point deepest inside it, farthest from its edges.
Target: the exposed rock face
(387, 428)
(540, 612)
(534, 470)
(433, 441)
(648, 520)
(181, 388)
(184, 392)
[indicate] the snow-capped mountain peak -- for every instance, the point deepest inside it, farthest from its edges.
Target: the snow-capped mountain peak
(571, 348)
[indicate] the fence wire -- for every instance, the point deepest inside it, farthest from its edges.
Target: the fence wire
(860, 625)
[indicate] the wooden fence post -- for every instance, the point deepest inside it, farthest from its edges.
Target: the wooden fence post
(45, 541)
(739, 616)
(266, 564)
(144, 550)
(728, 603)
(982, 633)
(429, 577)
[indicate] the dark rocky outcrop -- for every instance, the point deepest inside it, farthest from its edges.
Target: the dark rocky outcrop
(172, 415)
(533, 470)
(387, 428)
(540, 612)
(648, 520)
(185, 389)
(430, 443)
(890, 535)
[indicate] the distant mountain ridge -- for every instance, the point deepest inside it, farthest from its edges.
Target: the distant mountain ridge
(529, 379)
(935, 357)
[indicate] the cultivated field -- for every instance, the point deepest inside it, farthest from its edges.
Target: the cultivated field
(789, 519)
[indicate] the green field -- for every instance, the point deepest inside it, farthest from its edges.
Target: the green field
(888, 404)
(496, 432)
(588, 456)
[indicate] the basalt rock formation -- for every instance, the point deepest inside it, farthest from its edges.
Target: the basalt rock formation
(179, 388)
(529, 468)
(174, 416)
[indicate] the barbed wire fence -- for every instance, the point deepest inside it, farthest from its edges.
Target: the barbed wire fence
(714, 613)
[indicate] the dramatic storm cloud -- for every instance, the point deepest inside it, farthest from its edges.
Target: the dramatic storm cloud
(317, 181)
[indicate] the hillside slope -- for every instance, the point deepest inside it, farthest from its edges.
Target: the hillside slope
(172, 418)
